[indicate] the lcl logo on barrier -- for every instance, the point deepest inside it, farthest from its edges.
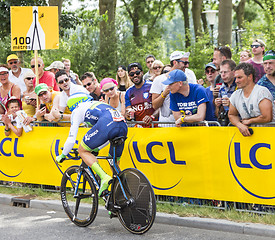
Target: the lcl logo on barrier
(251, 166)
(167, 148)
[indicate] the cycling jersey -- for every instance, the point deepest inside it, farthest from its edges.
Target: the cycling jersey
(107, 124)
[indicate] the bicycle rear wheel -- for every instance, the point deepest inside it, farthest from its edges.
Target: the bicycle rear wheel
(137, 217)
(81, 207)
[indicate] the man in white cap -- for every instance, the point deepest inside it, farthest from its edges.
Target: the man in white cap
(55, 67)
(16, 72)
(160, 92)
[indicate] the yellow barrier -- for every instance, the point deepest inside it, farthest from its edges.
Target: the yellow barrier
(198, 162)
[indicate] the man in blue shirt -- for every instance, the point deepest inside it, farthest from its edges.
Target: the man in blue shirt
(268, 80)
(188, 102)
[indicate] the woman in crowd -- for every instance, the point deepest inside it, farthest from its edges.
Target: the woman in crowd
(157, 66)
(8, 89)
(245, 55)
(29, 96)
(113, 97)
(122, 78)
(166, 69)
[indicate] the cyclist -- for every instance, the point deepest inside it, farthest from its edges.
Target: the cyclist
(107, 124)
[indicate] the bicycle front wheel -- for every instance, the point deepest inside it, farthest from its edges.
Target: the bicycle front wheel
(80, 205)
(138, 216)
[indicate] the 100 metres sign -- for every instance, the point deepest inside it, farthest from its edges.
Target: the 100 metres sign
(34, 28)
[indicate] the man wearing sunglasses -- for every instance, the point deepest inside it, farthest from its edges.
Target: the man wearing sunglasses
(268, 80)
(68, 89)
(90, 83)
(16, 72)
(138, 99)
(258, 49)
(44, 76)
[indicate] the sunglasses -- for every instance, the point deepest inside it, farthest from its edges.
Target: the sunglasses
(255, 46)
(210, 71)
(5, 73)
(15, 62)
(87, 85)
(184, 62)
(158, 67)
(29, 78)
(108, 89)
(166, 71)
(150, 62)
(131, 74)
(64, 80)
(33, 66)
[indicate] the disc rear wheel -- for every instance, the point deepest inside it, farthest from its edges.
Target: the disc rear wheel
(138, 213)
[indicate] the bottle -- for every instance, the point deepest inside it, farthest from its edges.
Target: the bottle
(22, 116)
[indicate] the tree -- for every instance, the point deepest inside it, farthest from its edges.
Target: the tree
(108, 44)
(225, 22)
(185, 11)
(57, 3)
(196, 12)
(240, 10)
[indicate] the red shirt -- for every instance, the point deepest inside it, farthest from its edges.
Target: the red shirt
(49, 79)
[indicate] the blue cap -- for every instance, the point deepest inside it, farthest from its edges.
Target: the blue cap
(210, 65)
(175, 76)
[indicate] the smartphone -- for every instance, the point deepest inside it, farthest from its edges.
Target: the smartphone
(42, 105)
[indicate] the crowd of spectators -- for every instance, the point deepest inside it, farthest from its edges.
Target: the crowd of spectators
(242, 94)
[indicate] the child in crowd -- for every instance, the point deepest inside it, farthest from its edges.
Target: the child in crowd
(13, 105)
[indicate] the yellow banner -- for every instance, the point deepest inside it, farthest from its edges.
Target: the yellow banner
(34, 28)
(199, 162)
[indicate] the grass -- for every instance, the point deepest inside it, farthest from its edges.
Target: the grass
(183, 211)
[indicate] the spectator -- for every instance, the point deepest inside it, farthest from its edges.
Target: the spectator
(123, 79)
(137, 97)
(166, 68)
(50, 100)
(211, 73)
(188, 101)
(90, 83)
(113, 97)
(13, 105)
(29, 96)
(228, 87)
(149, 61)
(160, 92)
(8, 89)
(157, 66)
(245, 55)
(191, 77)
(44, 76)
(16, 72)
(258, 48)
(220, 54)
(251, 103)
(268, 80)
(64, 83)
(73, 76)
(55, 67)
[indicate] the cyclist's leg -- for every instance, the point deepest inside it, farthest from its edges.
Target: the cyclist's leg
(119, 130)
(94, 138)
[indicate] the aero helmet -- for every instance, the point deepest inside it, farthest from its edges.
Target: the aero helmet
(77, 98)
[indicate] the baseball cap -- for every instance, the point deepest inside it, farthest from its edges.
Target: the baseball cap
(14, 98)
(135, 64)
(175, 76)
(42, 87)
(269, 55)
(56, 64)
(178, 55)
(4, 69)
(212, 65)
(12, 56)
(28, 73)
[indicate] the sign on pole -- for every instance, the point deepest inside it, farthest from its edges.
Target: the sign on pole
(34, 28)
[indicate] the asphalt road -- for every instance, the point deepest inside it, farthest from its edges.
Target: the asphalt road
(39, 224)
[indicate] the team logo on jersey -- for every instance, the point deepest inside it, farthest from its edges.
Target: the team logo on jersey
(145, 95)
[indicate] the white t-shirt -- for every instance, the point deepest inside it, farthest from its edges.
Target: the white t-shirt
(249, 107)
(191, 77)
(19, 81)
(166, 114)
(73, 89)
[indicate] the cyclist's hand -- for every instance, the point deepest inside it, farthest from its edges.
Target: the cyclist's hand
(60, 158)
